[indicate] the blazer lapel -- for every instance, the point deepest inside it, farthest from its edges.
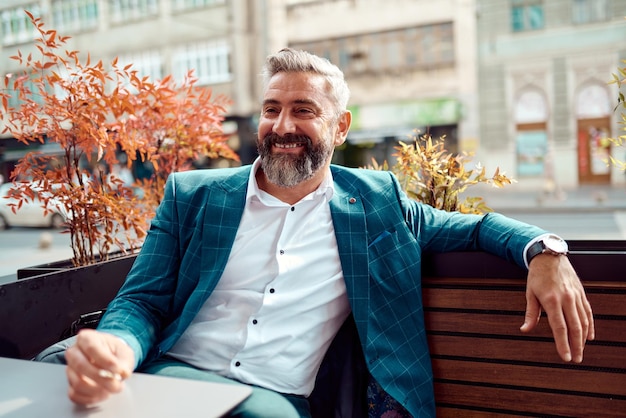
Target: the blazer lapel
(348, 215)
(220, 225)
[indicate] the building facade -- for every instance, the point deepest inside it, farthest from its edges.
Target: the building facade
(410, 65)
(521, 83)
(214, 38)
(546, 107)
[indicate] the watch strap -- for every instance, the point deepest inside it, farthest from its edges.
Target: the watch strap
(547, 245)
(534, 250)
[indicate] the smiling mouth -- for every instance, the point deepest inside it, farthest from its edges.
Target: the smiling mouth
(288, 146)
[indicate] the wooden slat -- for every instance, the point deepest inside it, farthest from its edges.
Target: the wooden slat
(485, 367)
(538, 377)
(484, 323)
(609, 304)
(523, 351)
(605, 298)
(533, 403)
(497, 300)
(446, 412)
(607, 330)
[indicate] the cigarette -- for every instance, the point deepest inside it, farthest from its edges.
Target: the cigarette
(107, 374)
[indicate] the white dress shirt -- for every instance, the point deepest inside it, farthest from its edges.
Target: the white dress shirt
(281, 298)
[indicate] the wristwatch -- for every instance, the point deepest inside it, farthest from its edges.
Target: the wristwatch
(550, 244)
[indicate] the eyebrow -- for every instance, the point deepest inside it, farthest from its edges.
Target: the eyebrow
(297, 101)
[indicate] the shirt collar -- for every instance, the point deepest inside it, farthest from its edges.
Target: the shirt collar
(326, 188)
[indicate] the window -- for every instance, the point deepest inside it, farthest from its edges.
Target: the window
(14, 100)
(209, 60)
(181, 5)
(526, 15)
(147, 64)
(587, 11)
(376, 52)
(129, 10)
(423, 47)
(395, 57)
(16, 25)
(345, 53)
(74, 15)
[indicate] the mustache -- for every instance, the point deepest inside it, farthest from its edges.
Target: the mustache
(273, 138)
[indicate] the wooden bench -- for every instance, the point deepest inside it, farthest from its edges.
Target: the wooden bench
(474, 304)
(485, 367)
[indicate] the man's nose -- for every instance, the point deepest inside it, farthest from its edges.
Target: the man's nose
(284, 124)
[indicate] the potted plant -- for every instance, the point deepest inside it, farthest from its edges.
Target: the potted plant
(430, 174)
(103, 119)
(619, 79)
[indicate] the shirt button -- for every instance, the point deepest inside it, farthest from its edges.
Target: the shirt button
(254, 321)
(282, 252)
(292, 208)
(272, 290)
(237, 364)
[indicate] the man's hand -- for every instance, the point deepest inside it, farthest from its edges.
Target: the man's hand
(97, 366)
(554, 286)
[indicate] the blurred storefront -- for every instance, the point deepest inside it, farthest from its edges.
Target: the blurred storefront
(380, 127)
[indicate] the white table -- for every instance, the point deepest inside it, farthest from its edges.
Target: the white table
(39, 390)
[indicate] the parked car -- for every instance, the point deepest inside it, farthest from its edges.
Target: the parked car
(30, 214)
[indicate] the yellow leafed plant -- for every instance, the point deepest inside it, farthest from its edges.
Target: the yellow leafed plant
(430, 174)
(620, 80)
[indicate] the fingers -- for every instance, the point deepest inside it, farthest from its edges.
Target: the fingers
(87, 391)
(591, 334)
(579, 322)
(98, 349)
(555, 287)
(575, 325)
(533, 313)
(586, 314)
(109, 375)
(557, 324)
(564, 335)
(97, 364)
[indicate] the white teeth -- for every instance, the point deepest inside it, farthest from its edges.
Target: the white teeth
(288, 145)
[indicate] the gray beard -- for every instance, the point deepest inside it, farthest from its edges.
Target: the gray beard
(286, 170)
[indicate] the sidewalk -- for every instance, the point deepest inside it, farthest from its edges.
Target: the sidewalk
(581, 199)
(12, 259)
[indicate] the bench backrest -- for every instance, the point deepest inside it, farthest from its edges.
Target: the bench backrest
(484, 366)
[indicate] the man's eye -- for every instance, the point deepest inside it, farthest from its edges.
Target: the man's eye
(304, 111)
(270, 110)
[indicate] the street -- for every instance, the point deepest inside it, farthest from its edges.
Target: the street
(20, 247)
(600, 225)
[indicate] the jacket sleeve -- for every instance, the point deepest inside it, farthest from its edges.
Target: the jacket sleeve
(138, 312)
(440, 231)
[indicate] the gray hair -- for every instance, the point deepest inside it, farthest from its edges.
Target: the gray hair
(290, 60)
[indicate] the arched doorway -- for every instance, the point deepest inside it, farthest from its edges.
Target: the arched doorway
(593, 117)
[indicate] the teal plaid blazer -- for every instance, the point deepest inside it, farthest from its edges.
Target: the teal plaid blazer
(381, 235)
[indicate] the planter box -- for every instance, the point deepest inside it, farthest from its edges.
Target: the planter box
(56, 266)
(35, 312)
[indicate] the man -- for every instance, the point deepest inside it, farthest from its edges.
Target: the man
(248, 273)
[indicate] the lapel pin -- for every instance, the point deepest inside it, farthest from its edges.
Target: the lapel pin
(352, 200)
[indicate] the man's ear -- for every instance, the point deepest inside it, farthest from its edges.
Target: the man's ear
(343, 126)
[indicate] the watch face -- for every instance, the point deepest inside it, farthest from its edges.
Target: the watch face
(555, 244)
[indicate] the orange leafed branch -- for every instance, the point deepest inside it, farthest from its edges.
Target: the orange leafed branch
(95, 115)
